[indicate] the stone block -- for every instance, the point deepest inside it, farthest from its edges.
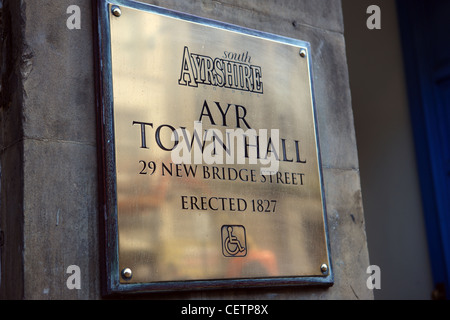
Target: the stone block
(346, 227)
(266, 14)
(59, 82)
(60, 219)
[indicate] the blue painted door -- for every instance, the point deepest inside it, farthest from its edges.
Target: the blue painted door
(425, 30)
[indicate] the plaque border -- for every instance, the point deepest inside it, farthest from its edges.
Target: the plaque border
(107, 188)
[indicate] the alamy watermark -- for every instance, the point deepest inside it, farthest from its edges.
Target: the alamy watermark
(74, 20)
(374, 20)
(237, 146)
(74, 280)
(374, 280)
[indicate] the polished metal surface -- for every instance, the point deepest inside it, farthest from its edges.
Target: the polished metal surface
(213, 217)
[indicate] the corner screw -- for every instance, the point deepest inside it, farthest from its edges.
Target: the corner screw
(324, 268)
(126, 274)
(116, 11)
(302, 53)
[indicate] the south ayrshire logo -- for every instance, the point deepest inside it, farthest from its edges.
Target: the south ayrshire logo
(229, 71)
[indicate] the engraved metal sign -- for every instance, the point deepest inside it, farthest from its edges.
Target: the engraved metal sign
(211, 168)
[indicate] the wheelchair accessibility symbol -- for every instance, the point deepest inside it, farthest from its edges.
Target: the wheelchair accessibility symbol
(234, 243)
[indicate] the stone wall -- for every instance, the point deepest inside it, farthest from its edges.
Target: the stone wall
(48, 146)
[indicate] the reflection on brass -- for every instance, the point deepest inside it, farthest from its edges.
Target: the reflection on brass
(181, 90)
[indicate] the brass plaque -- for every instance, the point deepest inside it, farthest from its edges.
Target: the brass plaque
(216, 162)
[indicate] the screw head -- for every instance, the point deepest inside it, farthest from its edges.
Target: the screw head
(115, 10)
(324, 268)
(126, 274)
(302, 53)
